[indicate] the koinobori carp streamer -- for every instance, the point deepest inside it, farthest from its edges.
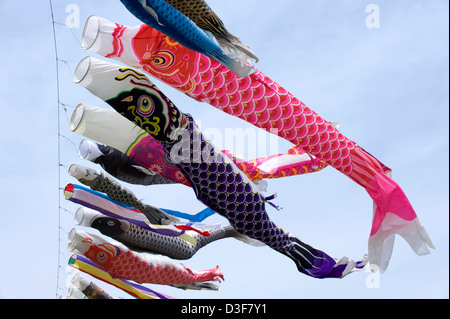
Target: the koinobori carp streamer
(262, 102)
(216, 180)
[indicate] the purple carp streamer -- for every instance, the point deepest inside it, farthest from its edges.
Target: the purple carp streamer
(216, 180)
(262, 102)
(102, 203)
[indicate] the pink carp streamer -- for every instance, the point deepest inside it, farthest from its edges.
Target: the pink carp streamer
(108, 127)
(262, 102)
(123, 263)
(294, 162)
(149, 153)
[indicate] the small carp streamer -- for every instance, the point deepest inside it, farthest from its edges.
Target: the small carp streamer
(88, 288)
(85, 265)
(144, 240)
(117, 192)
(123, 263)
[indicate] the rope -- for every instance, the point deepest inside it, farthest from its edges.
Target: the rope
(59, 146)
(64, 106)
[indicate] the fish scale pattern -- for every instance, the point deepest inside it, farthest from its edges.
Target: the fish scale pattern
(127, 264)
(193, 9)
(199, 12)
(257, 99)
(174, 247)
(262, 102)
(219, 184)
(117, 192)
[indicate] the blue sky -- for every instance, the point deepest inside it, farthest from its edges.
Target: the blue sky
(387, 87)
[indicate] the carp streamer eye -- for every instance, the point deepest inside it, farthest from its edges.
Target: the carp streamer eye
(145, 105)
(164, 60)
(111, 223)
(102, 257)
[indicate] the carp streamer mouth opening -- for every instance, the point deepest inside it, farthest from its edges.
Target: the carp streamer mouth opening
(82, 70)
(85, 216)
(83, 173)
(77, 117)
(79, 217)
(72, 241)
(90, 32)
(71, 237)
(89, 150)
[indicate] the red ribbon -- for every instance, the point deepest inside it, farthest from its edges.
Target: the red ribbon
(187, 227)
